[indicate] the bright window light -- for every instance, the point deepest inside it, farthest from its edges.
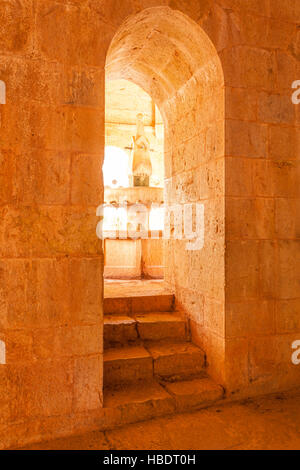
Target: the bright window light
(115, 219)
(116, 168)
(156, 219)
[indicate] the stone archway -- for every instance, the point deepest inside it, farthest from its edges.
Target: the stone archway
(173, 60)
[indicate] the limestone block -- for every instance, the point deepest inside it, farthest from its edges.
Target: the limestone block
(241, 104)
(287, 218)
(268, 269)
(86, 176)
(32, 79)
(269, 358)
(68, 341)
(37, 127)
(246, 139)
(84, 130)
(250, 218)
(253, 6)
(53, 22)
(85, 274)
(285, 177)
(262, 182)
(242, 261)
(34, 393)
(236, 363)
(275, 109)
(288, 283)
(42, 177)
(287, 316)
(250, 318)
(84, 87)
(16, 32)
(284, 143)
(88, 383)
(288, 12)
(259, 68)
(7, 176)
(239, 179)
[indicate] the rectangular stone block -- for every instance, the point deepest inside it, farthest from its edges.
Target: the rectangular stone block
(43, 177)
(246, 139)
(236, 364)
(40, 389)
(69, 341)
(7, 176)
(269, 356)
(86, 285)
(285, 178)
(32, 80)
(242, 261)
(84, 87)
(17, 25)
(262, 182)
(288, 281)
(73, 231)
(38, 126)
(275, 109)
(86, 177)
(241, 103)
(250, 218)
(18, 346)
(250, 318)
(84, 130)
(88, 383)
(259, 68)
(284, 143)
(178, 360)
(287, 316)
(127, 365)
(287, 218)
(239, 180)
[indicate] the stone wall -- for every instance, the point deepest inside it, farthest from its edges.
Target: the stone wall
(258, 44)
(51, 151)
(245, 306)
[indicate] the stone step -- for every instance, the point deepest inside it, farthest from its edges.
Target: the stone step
(138, 304)
(176, 361)
(163, 359)
(138, 402)
(119, 330)
(127, 365)
(193, 394)
(161, 326)
(122, 330)
(151, 400)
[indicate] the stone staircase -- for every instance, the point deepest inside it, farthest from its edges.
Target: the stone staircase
(151, 368)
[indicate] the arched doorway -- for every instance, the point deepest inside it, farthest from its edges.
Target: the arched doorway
(173, 60)
(133, 129)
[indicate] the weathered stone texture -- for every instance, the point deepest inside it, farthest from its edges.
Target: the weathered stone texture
(232, 143)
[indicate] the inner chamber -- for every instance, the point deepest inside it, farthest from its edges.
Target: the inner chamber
(133, 174)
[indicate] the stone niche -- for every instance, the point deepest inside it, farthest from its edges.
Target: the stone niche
(133, 175)
(133, 233)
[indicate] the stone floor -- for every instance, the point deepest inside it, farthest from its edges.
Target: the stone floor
(118, 288)
(271, 422)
